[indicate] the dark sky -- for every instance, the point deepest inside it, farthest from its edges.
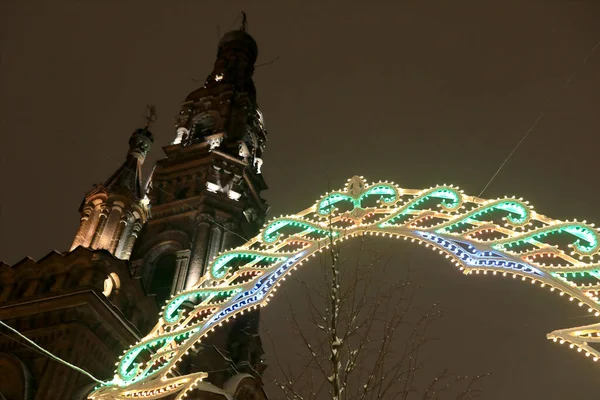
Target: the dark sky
(417, 92)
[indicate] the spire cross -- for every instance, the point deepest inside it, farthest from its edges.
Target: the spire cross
(150, 115)
(244, 22)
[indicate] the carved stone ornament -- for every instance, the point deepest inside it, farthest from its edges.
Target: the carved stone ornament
(258, 162)
(244, 152)
(214, 141)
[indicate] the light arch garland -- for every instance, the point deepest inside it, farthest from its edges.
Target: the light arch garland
(503, 236)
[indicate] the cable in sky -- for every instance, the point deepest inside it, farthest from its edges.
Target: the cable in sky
(532, 127)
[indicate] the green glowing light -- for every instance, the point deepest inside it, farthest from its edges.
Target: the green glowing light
(219, 268)
(388, 194)
(450, 200)
(326, 205)
(172, 311)
(129, 370)
(518, 214)
(581, 232)
(271, 234)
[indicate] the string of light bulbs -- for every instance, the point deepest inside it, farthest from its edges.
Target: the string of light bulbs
(504, 237)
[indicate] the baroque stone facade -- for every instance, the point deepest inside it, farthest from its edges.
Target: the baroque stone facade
(83, 306)
(137, 245)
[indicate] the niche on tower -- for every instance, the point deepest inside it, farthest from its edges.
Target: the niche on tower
(163, 276)
(164, 267)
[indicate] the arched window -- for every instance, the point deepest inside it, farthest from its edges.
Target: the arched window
(162, 277)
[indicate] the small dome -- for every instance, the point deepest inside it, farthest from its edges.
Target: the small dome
(144, 132)
(239, 40)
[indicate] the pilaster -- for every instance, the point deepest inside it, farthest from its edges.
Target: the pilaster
(102, 219)
(84, 227)
(182, 262)
(198, 255)
(216, 233)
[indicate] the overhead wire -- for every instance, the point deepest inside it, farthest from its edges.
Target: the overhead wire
(21, 343)
(38, 349)
(49, 354)
(541, 115)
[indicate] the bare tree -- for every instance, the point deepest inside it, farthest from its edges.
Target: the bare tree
(365, 336)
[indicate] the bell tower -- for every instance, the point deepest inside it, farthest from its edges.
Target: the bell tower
(205, 194)
(205, 197)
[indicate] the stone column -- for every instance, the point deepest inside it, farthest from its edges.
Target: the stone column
(118, 234)
(230, 238)
(110, 227)
(83, 232)
(199, 253)
(216, 235)
(128, 220)
(182, 261)
(95, 218)
(135, 231)
(102, 218)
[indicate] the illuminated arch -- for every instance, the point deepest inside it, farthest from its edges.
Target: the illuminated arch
(502, 236)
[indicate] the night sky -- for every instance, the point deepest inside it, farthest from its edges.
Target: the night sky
(416, 92)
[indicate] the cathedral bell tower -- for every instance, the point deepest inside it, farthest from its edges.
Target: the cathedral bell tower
(205, 195)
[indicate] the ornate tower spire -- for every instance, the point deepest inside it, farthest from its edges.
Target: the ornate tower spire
(113, 213)
(224, 112)
(206, 194)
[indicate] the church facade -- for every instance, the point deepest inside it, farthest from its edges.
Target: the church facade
(139, 244)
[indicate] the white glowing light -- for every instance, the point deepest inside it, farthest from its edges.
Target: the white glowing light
(181, 132)
(212, 187)
(234, 195)
(459, 228)
(258, 162)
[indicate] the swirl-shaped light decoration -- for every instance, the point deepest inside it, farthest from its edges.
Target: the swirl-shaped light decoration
(502, 236)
